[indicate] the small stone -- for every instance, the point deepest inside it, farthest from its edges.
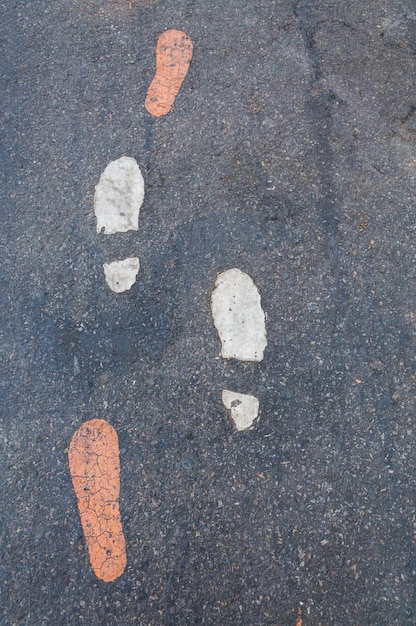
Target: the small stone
(77, 369)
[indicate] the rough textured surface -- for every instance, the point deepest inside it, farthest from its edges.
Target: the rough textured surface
(238, 316)
(244, 408)
(119, 196)
(94, 463)
(121, 275)
(289, 153)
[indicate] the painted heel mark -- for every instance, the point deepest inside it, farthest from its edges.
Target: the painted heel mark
(173, 56)
(94, 463)
(244, 408)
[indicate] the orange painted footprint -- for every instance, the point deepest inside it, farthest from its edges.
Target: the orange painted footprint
(94, 463)
(173, 57)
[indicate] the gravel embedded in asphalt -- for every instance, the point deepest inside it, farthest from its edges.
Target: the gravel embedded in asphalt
(289, 153)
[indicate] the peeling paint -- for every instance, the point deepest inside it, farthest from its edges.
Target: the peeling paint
(243, 407)
(238, 316)
(121, 275)
(173, 56)
(94, 463)
(118, 197)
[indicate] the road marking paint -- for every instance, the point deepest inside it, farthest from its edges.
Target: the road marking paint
(118, 196)
(121, 275)
(238, 316)
(244, 408)
(94, 463)
(173, 56)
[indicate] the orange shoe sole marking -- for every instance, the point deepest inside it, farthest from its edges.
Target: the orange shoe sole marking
(94, 463)
(173, 55)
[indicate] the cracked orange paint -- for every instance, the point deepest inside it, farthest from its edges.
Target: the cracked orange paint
(94, 463)
(173, 55)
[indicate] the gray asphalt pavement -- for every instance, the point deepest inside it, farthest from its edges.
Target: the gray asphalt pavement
(290, 153)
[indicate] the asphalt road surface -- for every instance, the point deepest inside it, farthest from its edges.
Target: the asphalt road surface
(290, 154)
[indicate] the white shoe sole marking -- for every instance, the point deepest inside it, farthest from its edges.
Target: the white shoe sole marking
(238, 316)
(118, 197)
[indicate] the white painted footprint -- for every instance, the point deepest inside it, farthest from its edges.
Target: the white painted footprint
(241, 325)
(118, 198)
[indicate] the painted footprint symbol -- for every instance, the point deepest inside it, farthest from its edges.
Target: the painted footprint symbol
(94, 463)
(173, 56)
(241, 325)
(118, 198)
(236, 309)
